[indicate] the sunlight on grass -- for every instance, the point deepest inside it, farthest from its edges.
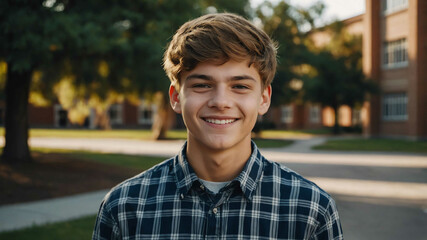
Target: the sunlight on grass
(72, 230)
(87, 133)
(177, 134)
(131, 161)
(145, 134)
(388, 145)
(293, 134)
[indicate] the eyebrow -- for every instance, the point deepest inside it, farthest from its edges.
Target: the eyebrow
(199, 76)
(210, 78)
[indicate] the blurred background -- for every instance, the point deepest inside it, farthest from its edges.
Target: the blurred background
(348, 100)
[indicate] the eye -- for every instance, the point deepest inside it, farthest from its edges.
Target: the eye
(200, 85)
(240, 86)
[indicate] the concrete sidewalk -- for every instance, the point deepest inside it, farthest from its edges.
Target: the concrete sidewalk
(22, 215)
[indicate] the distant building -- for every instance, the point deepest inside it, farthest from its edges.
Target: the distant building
(395, 56)
(121, 115)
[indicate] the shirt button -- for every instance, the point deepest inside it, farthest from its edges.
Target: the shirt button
(202, 187)
(181, 196)
(215, 210)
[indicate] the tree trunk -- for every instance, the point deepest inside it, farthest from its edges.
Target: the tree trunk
(160, 125)
(16, 117)
(336, 128)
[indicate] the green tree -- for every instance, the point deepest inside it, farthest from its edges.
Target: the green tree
(337, 78)
(285, 24)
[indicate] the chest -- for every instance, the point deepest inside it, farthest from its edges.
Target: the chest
(224, 216)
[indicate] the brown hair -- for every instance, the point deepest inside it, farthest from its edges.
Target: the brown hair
(220, 37)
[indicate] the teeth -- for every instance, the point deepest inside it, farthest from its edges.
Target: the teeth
(220, 122)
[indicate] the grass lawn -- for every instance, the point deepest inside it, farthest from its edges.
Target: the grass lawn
(131, 161)
(72, 230)
(277, 134)
(146, 133)
(114, 133)
(387, 145)
(137, 161)
(272, 143)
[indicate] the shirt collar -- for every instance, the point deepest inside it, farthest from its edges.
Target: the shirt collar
(248, 179)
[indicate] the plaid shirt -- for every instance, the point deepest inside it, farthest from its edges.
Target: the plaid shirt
(266, 201)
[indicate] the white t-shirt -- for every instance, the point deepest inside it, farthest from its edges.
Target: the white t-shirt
(213, 186)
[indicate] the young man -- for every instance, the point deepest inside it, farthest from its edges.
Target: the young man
(219, 186)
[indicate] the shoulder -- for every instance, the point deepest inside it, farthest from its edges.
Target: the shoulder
(132, 187)
(304, 197)
(293, 185)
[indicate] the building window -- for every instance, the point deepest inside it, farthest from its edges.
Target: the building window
(286, 114)
(391, 6)
(314, 114)
(357, 117)
(60, 116)
(146, 112)
(395, 54)
(116, 114)
(394, 107)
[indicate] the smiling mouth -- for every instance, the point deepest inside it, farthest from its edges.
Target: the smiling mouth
(220, 121)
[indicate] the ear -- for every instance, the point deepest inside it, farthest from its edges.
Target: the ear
(265, 100)
(174, 99)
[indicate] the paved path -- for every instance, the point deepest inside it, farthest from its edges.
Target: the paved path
(16, 216)
(379, 195)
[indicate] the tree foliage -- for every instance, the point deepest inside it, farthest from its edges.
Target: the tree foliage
(336, 77)
(284, 23)
(101, 48)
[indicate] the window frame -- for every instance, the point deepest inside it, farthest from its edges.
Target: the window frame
(395, 54)
(286, 114)
(145, 106)
(118, 107)
(392, 6)
(314, 114)
(394, 107)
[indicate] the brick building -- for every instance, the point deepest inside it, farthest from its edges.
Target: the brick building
(121, 115)
(395, 56)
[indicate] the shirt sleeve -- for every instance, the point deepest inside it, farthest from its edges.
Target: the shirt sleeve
(106, 226)
(330, 224)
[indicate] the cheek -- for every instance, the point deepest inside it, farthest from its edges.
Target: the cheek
(190, 106)
(250, 106)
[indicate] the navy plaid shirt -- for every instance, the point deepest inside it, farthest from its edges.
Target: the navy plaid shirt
(266, 201)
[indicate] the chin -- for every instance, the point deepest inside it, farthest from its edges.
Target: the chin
(224, 144)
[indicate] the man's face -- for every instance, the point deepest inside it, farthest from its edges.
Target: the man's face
(220, 103)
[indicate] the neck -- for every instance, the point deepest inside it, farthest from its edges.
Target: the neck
(218, 165)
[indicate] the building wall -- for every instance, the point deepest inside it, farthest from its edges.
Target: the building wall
(130, 114)
(355, 25)
(308, 122)
(410, 24)
(421, 14)
(40, 116)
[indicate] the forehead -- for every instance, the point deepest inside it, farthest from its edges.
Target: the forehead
(228, 70)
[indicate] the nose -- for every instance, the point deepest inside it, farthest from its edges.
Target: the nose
(220, 98)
